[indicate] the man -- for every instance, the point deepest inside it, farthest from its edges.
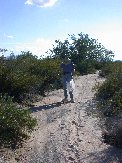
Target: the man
(68, 82)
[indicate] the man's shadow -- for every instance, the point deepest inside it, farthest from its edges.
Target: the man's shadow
(44, 107)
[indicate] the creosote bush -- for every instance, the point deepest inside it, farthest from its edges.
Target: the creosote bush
(15, 123)
(111, 68)
(24, 75)
(109, 103)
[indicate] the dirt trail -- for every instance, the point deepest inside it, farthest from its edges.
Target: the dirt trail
(68, 133)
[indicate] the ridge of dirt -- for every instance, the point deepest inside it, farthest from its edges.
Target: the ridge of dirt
(66, 133)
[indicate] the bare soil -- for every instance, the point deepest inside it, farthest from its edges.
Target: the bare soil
(66, 133)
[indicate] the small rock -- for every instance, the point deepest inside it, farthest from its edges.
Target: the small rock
(71, 146)
(79, 140)
(71, 158)
(75, 123)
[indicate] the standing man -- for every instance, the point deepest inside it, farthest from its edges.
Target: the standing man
(68, 82)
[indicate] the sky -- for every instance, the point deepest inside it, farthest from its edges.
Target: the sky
(34, 25)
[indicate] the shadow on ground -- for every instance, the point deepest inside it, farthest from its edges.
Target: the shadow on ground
(45, 107)
(110, 155)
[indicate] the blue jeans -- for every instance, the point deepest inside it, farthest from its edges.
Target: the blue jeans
(66, 79)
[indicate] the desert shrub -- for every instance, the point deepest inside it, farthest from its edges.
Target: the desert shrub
(109, 103)
(85, 67)
(15, 123)
(50, 71)
(110, 68)
(18, 84)
(113, 131)
(109, 95)
(25, 75)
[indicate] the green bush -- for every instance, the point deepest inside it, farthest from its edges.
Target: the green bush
(110, 86)
(109, 103)
(15, 123)
(50, 72)
(25, 75)
(109, 95)
(110, 68)
(113, 136)
(86, 53)
(85, 67)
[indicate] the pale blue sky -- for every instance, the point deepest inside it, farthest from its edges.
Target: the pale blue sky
(34, 24)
